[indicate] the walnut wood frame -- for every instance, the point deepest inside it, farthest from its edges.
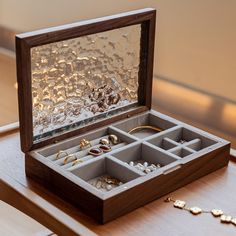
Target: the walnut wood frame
(24, 42)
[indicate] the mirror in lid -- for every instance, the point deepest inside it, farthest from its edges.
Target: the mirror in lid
(85, 79)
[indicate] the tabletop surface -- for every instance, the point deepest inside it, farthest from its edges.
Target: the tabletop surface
(216, 190)
(16, 223)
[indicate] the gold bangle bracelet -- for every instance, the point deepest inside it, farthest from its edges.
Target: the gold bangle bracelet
(144, 127)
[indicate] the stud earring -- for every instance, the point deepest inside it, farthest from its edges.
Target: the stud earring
(113, 138)
(104, 141)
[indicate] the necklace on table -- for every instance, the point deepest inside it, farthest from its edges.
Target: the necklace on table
(195, 210)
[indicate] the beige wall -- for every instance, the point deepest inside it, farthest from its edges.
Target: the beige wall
(196, 40)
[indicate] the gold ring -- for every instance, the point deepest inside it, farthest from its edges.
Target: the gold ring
(144, 127)
(61, 152)
(71, 156)
(77, 161)
(84, 143)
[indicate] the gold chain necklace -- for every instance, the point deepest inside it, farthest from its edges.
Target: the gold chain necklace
(224, 218)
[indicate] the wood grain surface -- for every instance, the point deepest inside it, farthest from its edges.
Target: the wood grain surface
(33, 205)
(16, 223)
(216, 190)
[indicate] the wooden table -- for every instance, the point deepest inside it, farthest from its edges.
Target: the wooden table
(16, 223)
(217, 190)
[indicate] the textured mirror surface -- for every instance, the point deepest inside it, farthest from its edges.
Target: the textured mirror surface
(81, 80)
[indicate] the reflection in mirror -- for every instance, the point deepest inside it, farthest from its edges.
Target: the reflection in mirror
(81, 80)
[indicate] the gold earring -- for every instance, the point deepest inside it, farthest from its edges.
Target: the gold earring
(104, 141)
(113, 138)
(84, 143)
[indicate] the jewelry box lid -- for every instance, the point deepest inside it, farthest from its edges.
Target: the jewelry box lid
(77, 77)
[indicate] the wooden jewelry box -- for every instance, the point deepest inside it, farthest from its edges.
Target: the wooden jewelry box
(86, 124)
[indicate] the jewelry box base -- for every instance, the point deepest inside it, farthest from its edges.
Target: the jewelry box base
(181, 163)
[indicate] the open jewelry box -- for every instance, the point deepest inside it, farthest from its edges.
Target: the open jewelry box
(90, 80)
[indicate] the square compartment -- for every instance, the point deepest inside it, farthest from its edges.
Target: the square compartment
(181, 152)
(163, 142)
(105, 167)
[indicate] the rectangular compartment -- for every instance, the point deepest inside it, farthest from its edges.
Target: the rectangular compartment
(141, 153)
(71, 147)
(147, 119)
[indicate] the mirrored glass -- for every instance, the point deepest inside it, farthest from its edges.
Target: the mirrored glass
(84, 79)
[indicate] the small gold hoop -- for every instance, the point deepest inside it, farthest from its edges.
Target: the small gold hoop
(60, 153)
(144, 127)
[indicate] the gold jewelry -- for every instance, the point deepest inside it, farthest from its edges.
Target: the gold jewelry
(113, 138)
(84, 143)
(67, 158)
(217, 212)
(95, 151)
(60, 153)
(110, 180)
(77, 161)
(106, 182)
(105, 148)
(144, 127)
(104, 141)
(196, 210)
